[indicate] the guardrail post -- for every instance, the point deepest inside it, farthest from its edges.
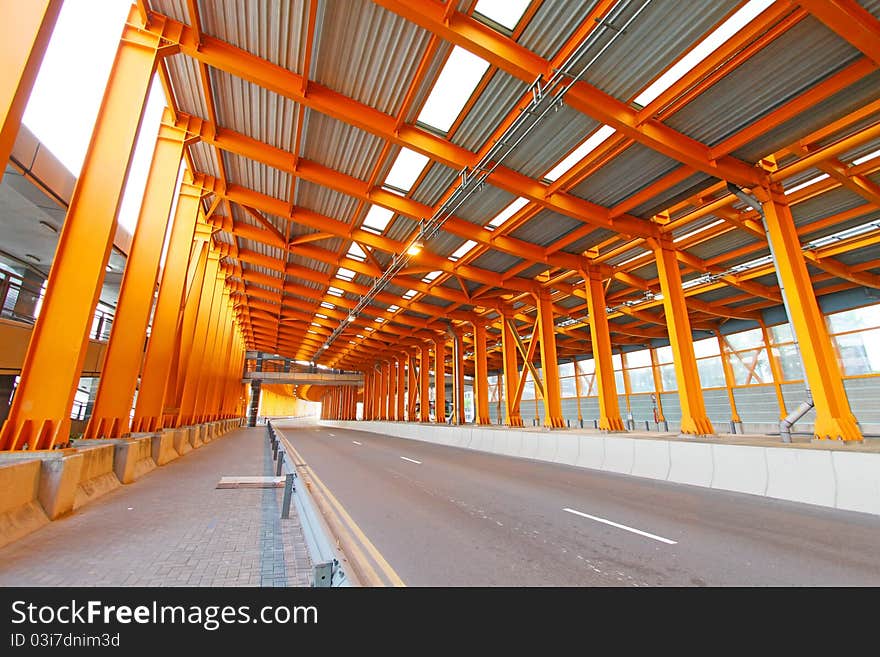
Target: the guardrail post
(280, 464)
(288, 493)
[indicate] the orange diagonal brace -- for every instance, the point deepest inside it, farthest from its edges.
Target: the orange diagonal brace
(39, 415)
(549, 363)
(424, 383)
(511, 373)
(28, 27)
(112, 409)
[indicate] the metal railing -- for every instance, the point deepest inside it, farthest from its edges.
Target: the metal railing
(327, 571)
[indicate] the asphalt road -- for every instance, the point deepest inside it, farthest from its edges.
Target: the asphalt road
(445, 516)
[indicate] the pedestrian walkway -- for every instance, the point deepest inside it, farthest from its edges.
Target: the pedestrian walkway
(173, 528)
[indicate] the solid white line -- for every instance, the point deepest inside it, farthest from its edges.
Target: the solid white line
(356, 442)
(619, 526)
(333, 435)
(411, 460)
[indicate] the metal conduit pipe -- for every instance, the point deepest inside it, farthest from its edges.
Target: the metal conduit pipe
(788, 421)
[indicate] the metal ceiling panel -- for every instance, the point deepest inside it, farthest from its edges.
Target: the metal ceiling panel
(186, 85)
(545, 228)
(367, 53)
(779, 72)
(204, 159)
(325, 201)
(674, 195)
(825, 205)
(339, 146)
(274, 30)
(553, 24)
(257, 176)
(637, 167)
(435, 183)
(589, 240)
(500, 97)
(175, 9)
(496, 261)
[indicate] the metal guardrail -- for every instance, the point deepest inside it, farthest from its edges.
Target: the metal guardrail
(327, 571)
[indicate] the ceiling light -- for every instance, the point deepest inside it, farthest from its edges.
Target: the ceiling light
(415, 248)
(351, 318)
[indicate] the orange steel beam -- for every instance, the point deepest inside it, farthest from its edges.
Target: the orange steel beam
(116, 388)
(518, 61)
(40, 413)
(850, 21)
(29, 27)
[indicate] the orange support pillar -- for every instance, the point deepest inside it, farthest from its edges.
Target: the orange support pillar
(205, 372)
(28, 28)
(412, 387)
(458, 377)
(834, 418)
(600, 337)
(424, 383)
(383, 391)
(694, 419)
(392, 389)
(511, 373)
(40, 413)
(440, 380)
(194, 358)
(110, 417)
(549, 362)
(401, 388)
(481, 372)
(367, 398)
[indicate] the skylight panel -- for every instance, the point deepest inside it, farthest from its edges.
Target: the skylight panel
(588, 146)
(335, 291)
(377, 218)
(503, 12)
(811, 181)
(431, 276)
(705, 48)
(409, 294)
(355, 251)
(379, 320)
(698, 230)
(865, 158)
(406, 168)
(324, 304)
(508, 212)
(393, 309)
(457, 81)
(463, 250)
(344, 274)
(635, 257)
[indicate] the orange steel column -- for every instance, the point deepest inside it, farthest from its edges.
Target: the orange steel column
(412, 387)
(367, 397)
(458, 377)
(401, 388)
(221, 361)
(511, 373)
(549, 362)
(28, 28)
(694, 419)
(834, 418)
(425, 383)
(440, 380)
(481, 372)
(392, 389)
(600, 337)
(164, 333)
(383, 391)
(197, 294)
(728, 379)
(40, 413)
(206, 371)
(192, 360)
(119, 375)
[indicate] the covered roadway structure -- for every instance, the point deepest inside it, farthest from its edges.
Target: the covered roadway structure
(635, 214)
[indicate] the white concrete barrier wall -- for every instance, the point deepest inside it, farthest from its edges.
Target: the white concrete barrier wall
(840, 479)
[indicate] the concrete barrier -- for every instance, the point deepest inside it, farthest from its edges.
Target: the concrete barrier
(740, 468)
(133, 458)
(858, 481)
(801, 475)
(179, 441)
(162, 447)
(20, 510)
(195, 436)
(832, 478)
(97, 476)
(619, 455)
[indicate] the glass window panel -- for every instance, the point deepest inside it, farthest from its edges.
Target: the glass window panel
(789, 358)
(664, 354)
(641, 380)
(667, 376)
(586, 366)
(529, 389)
(567, 387)
(641, 358)
(781, 333)
(746, 339)
(860, 352)
(707, 347)
(566, 369)
(851, 320)
(756, 361)
(711, 372)
(585, 381)
(618, 381)
(615, 361)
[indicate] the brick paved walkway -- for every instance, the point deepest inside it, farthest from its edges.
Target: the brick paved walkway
(173, 528)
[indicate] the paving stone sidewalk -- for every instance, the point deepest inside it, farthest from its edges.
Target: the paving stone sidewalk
(173, 528)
